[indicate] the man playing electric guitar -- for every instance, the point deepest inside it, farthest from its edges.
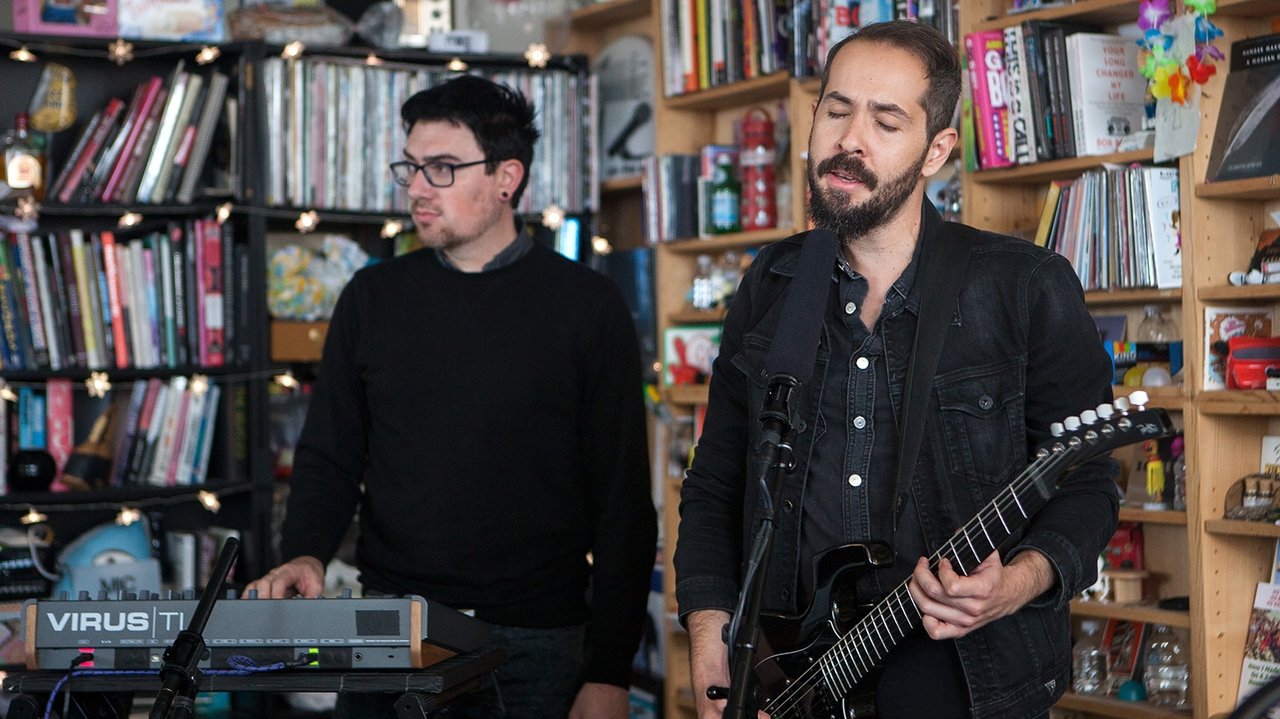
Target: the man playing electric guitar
(1018, 352)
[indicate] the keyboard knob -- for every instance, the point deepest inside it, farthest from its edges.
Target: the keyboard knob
(346, 592)
(251, 594)
(1122, 404)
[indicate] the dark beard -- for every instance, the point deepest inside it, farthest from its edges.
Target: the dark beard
(833, 210)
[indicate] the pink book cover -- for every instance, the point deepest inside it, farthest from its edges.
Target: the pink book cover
(80, 18)
(990, 84)
(213, 337)
(58, 424)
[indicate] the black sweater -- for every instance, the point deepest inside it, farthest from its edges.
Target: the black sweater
(497, 421)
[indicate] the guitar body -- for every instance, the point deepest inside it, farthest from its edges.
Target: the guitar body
(792, 645)
(822, 663)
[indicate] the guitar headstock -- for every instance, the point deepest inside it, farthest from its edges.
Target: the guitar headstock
(1110, 426)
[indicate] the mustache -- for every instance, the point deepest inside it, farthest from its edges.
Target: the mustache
(848, 165)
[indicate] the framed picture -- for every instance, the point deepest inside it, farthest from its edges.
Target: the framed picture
(81, 18)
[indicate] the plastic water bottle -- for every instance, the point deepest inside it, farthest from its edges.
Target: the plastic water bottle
(1089, 662)
(1166, 670)
(703, 294)
(1155, 326)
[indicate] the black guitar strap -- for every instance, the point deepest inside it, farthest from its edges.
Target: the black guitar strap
(941, 274)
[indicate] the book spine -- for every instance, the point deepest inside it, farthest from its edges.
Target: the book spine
(31, 295)
(59, 439)
(151, 92)
(110, 114)
(212, 298)
(81, 144)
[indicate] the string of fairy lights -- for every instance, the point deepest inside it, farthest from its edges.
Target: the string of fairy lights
(121, 52)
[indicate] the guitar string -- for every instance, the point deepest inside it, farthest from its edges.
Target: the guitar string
(791, 697)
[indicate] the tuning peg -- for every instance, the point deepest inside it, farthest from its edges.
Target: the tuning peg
(1071, 424)
(1122, 404)
(1089, 417)
(1056, 429)
(1105, 411)
(1139, 398)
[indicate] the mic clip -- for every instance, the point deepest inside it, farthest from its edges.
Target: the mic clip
(777, 421)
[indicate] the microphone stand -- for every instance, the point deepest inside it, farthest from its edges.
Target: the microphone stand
(180, 673)
(775, 456)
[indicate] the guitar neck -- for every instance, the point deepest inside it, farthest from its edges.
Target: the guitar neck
(865, 645)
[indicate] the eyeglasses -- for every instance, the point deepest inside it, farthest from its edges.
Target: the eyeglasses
(437, 173)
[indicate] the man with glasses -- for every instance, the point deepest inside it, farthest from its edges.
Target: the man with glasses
(480, 401)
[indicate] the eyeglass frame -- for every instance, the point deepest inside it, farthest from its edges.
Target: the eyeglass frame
(453, 171)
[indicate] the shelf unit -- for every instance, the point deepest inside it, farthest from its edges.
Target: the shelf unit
(1217, 562)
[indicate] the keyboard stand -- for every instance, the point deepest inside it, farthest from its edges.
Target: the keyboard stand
(422, 691)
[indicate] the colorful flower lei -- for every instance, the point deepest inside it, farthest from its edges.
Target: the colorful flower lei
(1170, 76)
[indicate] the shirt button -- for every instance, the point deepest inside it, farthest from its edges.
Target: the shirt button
(863, 363)
(785, 594)
(788, 506)
(859, 422)
(850, 308)
(855, 480)
(985, 402)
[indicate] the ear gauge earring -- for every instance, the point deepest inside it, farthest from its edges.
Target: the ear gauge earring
(505, 194)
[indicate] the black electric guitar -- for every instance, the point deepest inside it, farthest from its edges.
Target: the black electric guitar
(813, 665)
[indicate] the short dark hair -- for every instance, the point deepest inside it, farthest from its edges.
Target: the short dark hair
(937, 54)
(500, 118)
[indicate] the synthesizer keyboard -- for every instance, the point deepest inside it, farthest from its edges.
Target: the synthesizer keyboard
(408, 632)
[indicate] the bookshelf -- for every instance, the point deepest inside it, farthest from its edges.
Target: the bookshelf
(241, 471)
(1217, 562)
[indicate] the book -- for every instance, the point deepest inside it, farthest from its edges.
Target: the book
(1021, 114)
(988, 81)
(688, 353)
(1262, 643)
(1222, 323)
(206, 125)
(85, 160)
(1107, 93)
(1270, 460)
(181, 20)
(60, 432)
(1249, 116)
(85, 18)
(1122, 642)
(1162, 211)
(147, 94)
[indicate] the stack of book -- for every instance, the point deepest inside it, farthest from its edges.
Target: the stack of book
(151, 149)
(1119, 227)
(98, 301)
(326, 150)
(1043, 91)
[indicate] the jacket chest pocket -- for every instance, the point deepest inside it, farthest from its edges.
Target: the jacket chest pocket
(751, 361)
(983, 424)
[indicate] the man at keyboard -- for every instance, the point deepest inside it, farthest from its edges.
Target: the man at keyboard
(480, 402)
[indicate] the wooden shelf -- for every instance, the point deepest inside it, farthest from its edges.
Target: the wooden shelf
(686, 394)
(603, 14)
(1247, 8)
(1130, 612)
(1254, 188)
(733, 241)
(1239, 402)
(1112, 707)
(1241, 528)
(769, 87)
(1102, 12)
(621, 184)
(1058, 169)
(1167, 397)
(691, 316)
(1149, 516)
(1140, 296)
(1243, 293)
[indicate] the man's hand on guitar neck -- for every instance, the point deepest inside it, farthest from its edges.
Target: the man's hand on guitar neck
(952, 605)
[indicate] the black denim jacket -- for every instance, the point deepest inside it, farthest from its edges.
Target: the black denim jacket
(1021, 352)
